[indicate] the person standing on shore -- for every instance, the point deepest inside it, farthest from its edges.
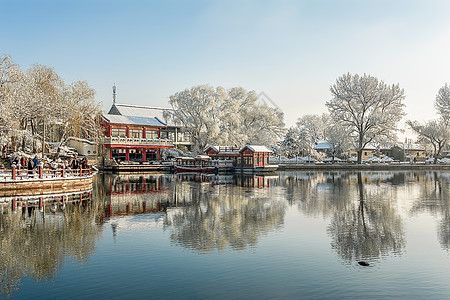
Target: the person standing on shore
(35, 162)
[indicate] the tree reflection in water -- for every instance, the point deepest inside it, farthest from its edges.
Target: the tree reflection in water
(223, 217)
(364, 223)
(220, 213)
(435, 199)
(34, 242)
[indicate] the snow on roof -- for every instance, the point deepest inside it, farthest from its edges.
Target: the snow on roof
(202, 157)
(256, 148)
(142, 111)
(80, 140)
(135, 120)
(322, 146)
(215, 148)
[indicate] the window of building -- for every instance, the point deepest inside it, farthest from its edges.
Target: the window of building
(135, 133)
(117, 132)
(151, 134)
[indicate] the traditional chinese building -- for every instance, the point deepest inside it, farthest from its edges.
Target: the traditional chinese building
(249, 157)
(222, 152)
(133, 134)
(253, 157)
(134, 139)
(171, 130)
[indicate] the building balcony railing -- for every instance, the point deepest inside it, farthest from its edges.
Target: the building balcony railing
(137, 141)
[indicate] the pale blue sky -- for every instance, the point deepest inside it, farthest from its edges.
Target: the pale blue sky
(291, 50)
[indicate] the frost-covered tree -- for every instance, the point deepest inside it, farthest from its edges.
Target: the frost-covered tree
(38, 105)
(368, 108)
(337, 137)
(225, 117)
(296, 142)
(442, 103)
(434, 132)
(81, 112)
(200, 110)
(315, 125)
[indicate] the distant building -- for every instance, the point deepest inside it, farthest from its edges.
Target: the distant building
(366, 153)
(323, 147)
(223, 152)
(247, 157)
(405, 152)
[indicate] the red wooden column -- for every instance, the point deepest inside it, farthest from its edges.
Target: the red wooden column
(159, 154)
(110, 153)
(144, 155)
(127, 154)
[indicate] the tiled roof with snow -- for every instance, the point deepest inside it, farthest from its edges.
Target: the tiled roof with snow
(142, 111)
(257, 148)
(134, 120)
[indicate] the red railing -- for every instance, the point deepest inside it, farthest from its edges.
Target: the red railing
(41, 173)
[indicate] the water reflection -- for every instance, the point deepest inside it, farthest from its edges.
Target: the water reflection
(364, 208)
(435, 199)
(366, 214)
(231, 215)
(204, 212)
(38, 233)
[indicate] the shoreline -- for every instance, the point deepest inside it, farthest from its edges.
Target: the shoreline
(363, 167)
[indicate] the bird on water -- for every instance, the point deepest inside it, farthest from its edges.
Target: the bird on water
(363, 263)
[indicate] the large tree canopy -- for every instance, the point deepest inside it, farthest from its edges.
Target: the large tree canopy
(38, 101)
(225, 117)
(367, 107)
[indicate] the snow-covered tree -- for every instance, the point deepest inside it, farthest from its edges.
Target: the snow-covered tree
(226, 117)
(442, 103)
(296, 142)
(367, 107)
(200, 110)
(315, 125)
(38, 105)
(338, 138)
(434, 132)
(81, 114)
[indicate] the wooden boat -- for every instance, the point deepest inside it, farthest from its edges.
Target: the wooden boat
(199, 164)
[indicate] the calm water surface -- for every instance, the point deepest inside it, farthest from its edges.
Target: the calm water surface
(290, 235)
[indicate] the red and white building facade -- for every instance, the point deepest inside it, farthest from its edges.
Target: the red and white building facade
(249, 157)
(133, 138)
